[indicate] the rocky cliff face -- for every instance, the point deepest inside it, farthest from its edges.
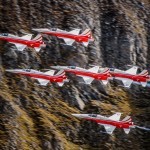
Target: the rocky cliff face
(35, 117)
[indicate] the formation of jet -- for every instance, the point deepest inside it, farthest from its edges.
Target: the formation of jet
(130, 76)
(43, 77)
(127, 77)
(109, 123)
(25, 41)
(69, 37)
(88, 75)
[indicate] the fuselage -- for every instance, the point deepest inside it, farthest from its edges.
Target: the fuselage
(136, 78)
(14, 39)
(118, 124)
(41, 75)
(78, 38)
(97, 76)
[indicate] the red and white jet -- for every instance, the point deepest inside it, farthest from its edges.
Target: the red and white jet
(88, 75)
(43, 77)
(22, 42)
(129, 76)
(109, 123)
(69, 37)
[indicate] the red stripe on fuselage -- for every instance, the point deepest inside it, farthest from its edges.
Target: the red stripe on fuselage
(78, 38)
(137, 78)
(46, 77)
(30, 43)
(98, 76)
(118, 124)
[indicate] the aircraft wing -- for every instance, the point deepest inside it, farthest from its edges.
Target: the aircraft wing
(27, 37)
(75, 31)
(109, 128)
(68, 41)
(94, 69)
(127, 82)
(20, 47)
(42, 81)
(87, 80)
(132, 70)
(115, 117)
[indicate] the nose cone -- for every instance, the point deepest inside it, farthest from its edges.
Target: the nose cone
(14, 70)
(59, 67)
(40, 30)
(10, 70)
(35, 29)
(77, 115)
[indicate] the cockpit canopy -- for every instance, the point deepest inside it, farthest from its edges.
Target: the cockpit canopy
(92, 115)
(53, 29)
(4, 34)
(72, 67)
(27, 70)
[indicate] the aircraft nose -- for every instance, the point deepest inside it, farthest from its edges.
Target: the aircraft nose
(54, 67)
(77, 115)
(9, 70)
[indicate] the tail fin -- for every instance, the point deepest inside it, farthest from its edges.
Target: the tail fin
(127, 119)
(60, 73)
(88, 33)
(38, 38)
(144, 73)
(105, 71)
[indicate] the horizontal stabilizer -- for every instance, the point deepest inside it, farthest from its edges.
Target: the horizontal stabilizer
(37, 49)
(60, 84)
(144, 84)
(115, 117)
(85, 43)
(104, 82)
(68, 41)
(126, 130)
(132, 70)
(75, 32)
